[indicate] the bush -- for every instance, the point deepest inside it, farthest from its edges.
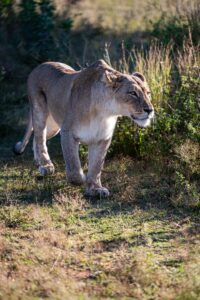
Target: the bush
(185, 175)
(178, 28)
(36, 20)
(156, 65)
(175, 96)
(175, 133)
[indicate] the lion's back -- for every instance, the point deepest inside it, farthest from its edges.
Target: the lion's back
(46, 75)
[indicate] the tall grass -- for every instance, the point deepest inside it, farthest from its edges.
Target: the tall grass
(156, 65)
(188, 59)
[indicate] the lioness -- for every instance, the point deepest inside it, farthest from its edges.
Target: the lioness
(85, 106)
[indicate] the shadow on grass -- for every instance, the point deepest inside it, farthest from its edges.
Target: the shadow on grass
(165, 225)
(20, 183)
(170, 220)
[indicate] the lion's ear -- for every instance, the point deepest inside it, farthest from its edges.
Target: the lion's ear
(109, 77)
(139, 75)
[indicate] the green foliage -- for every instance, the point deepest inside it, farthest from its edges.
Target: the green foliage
(186, 191)
(175, 132)
(177, 28)
(5, 6)
(170, 29)
(188, 104)
(14, 217)
(176, 105)
(2, 73)
(185, 177)
(7, 21)
(36, 20)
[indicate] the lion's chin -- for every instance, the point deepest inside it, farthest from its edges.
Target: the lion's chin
(142, 122)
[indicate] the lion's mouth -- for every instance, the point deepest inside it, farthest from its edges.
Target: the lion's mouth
(141, 122)
(139, 119)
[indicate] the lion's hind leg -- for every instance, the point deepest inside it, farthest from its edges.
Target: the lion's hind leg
(52, 127)
(40, 115)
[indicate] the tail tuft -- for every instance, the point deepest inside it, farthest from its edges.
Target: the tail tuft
(17, 148)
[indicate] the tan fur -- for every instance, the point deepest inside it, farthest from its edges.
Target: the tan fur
(85, 105)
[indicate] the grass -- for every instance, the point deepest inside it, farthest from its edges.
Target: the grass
(157, 68)
(55, 244)
(118, 17)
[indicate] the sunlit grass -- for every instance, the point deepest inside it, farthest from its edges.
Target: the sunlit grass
(118, 16)
(59, 245)
(156, 65)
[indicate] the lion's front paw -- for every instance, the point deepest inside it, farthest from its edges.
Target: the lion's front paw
(47, 169)
(76, 178)
(101, 192)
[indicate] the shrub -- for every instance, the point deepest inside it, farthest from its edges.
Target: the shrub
(175, 133)
(36, 20)
(185, 176)
(176, 104)
(156, 65)
(177, 28)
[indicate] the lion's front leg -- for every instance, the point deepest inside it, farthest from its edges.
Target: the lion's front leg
(96, 157)
(70, 148)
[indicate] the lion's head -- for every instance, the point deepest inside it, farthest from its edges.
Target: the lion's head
(131, 94)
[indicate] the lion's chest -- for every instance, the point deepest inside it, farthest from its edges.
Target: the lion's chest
(96, 130)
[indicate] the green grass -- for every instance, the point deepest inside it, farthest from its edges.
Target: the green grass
(55, 244)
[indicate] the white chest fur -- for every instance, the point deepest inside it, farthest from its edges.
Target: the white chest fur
(100, 128)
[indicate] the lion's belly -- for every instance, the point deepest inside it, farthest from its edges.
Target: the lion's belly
(96, 130)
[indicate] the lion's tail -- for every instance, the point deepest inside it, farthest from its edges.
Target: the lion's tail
(19, 147)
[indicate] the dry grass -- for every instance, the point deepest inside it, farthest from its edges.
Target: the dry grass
(120, 16)
(55, 244)
(156, 65)
(188, 60)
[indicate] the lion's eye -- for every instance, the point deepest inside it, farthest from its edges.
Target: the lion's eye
(133, 93)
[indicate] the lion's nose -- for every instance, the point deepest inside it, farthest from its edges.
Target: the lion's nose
(148, 110)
